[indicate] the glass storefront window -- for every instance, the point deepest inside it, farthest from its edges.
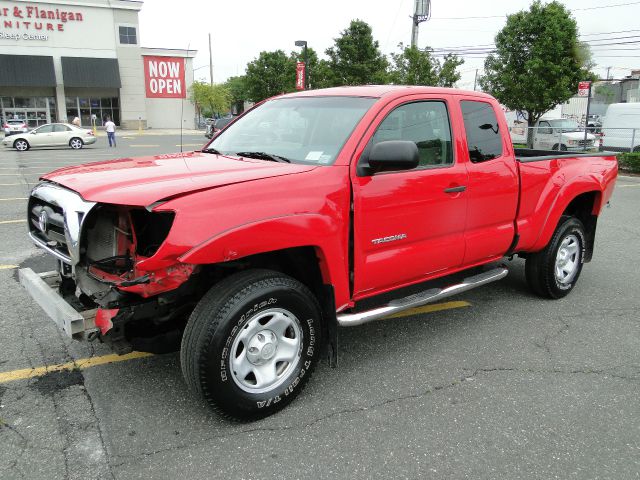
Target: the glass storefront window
(95, 103)
(34, 111)
(20, 102)
(105, 102)
(84, 102)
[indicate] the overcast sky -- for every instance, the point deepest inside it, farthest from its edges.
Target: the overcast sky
(241, 29)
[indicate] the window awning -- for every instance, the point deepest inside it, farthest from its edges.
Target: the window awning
(26, 71)
(91, 72)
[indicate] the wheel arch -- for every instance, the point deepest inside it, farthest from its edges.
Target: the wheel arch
(583, 204)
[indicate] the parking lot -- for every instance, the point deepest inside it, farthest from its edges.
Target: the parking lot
(497, 383)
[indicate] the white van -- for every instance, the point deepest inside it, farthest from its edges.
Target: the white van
(618, 125)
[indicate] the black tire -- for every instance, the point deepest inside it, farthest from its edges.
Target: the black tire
(221, 316)
(76, 143)
(540, 267)
(24, 142)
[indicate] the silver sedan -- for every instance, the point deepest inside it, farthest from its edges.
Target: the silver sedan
(51, 135)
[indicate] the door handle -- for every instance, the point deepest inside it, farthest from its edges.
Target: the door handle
(459, 189)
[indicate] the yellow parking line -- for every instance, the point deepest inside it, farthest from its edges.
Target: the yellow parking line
(6, 222)
(191, 144)
(629, 186)
(436, 307)
(81, 364)
(145, 145)
(8, 267)
(13, 199)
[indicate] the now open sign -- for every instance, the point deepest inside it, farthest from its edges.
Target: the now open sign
(164, 77)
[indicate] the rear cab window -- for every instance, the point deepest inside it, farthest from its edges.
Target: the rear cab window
(484, 139)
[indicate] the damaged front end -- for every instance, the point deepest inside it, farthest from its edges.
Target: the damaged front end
(106, 270)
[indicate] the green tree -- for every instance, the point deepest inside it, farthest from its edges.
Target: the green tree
(318, 70)
(538, 61)
(272, 73)
(237, 87)
(210, 99)
(355, 58)
(413, 66)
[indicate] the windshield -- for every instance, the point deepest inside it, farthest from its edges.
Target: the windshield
(309, 130)
(565, 124)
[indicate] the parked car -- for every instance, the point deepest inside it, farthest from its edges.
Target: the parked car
(14, 127)
(218, 124)
(51, 135)
(256, 249)
(561, 134)
(621, 128)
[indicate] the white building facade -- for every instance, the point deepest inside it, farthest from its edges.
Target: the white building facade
(61, 59)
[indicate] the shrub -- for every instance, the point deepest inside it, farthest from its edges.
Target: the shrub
(629, 162)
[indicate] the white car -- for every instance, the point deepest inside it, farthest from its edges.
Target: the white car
(12, 127)
(51, 135)
(561, 134)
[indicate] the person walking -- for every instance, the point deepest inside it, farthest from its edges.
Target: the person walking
(110, 127)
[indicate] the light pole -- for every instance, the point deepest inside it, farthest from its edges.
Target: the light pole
(303, 43)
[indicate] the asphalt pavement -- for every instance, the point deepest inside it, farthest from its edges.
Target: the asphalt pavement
(506, 385)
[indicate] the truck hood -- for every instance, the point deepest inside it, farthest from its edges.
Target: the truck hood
(143, 181)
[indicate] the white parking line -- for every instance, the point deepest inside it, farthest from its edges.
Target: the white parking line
(13, 199)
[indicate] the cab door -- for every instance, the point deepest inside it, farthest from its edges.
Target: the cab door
(493, 185)
(61, 134)
(409, 225)
(543, 136)
(41, 136)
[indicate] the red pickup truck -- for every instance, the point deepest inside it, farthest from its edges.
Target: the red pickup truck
(310, 211)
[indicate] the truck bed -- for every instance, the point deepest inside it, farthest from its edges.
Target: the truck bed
(532, 155)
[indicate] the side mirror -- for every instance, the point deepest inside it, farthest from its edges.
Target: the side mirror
(394, 155)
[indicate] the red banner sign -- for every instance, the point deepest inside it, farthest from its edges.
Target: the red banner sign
(583, 89)
(300, 75)
(164, 77)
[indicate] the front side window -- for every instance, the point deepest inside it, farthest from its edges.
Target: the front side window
(44, 129)
(483, 135)
(424, 123)
(307, 130)
(128, 36)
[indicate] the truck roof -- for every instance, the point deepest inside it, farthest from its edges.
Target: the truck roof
(380, 91)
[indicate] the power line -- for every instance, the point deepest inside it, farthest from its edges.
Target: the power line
(504, 15)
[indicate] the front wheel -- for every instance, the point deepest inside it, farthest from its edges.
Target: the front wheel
(21, 145)
(554, 271)
(252, 343)
(76, 143)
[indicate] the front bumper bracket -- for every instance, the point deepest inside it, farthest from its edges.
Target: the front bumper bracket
(43, 288)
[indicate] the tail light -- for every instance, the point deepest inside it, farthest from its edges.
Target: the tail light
(24, 125)
(6, 125)
(90, 132)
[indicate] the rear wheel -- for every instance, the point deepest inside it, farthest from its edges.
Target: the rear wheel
(21, 145)
(554, 271)
(76, 143)
(252, 343)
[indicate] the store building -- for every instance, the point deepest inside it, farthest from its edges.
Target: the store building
(62, 59)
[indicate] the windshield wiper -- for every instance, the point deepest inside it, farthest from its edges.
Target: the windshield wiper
(263, 156)
(210, 150)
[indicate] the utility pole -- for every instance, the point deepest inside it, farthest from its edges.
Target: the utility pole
(210, 62)
(421, 13)
(475, 80)
(608, 70)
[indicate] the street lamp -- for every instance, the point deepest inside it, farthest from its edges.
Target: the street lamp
(303, 43)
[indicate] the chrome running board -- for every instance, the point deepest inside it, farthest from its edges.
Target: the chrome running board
(421, 298)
